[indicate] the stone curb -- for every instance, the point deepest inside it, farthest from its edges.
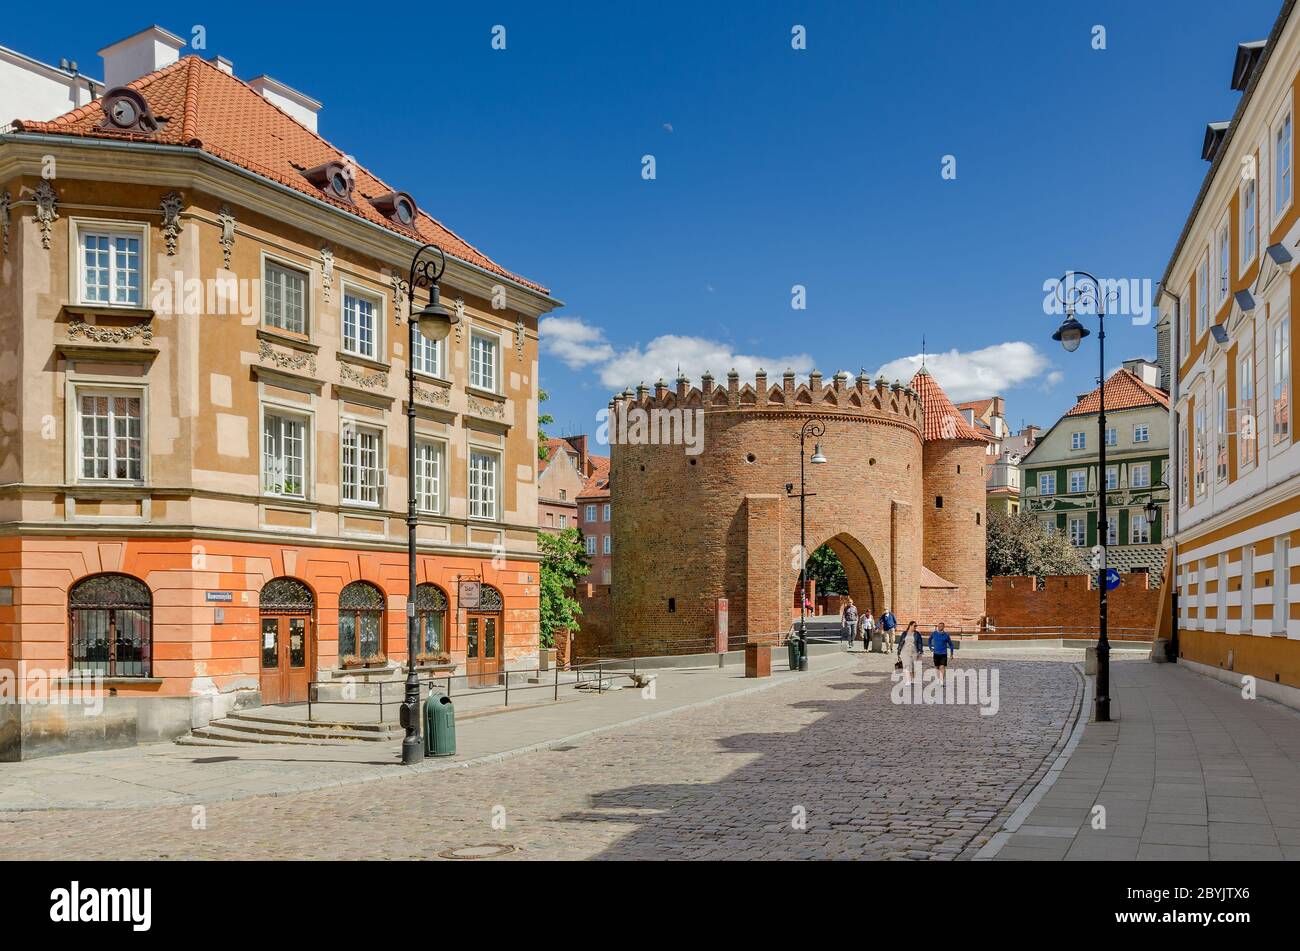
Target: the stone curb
(397, 771)
(1022, 812)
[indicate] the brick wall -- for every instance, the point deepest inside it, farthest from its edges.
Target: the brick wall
(595, 625)
(1068, 603)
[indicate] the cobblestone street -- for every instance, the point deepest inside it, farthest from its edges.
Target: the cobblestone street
(734, 780)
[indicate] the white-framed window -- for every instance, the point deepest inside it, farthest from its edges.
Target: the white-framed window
(484, 467)
(1139, 529)
(1049, 523)
(361, 317)
(284, 298)
(1282, 167)
(1185, 326)
(1184, 470)
(609, 545)
(1112, 438)
(483, 352)
(605, 514)
(1078, 532)
(1139, 475)
(564, 521)
(591, 513)
(591, 544)
(110, 262)
(1221, 433)
(428, 355)
(1047, 483)
(110, 427)
(1202, 295)
(1246, 410)
(1141, 432)
(430, 459)
(1249, 222)
(1281, 379)
(1078, 480)
(1199, 449)
(363, 465)
(1281, 583)
(1112, 478)
(1078, 440)
(1112, 529)
(1224, 262)
(284, 454)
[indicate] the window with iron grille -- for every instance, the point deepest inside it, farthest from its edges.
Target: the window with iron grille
(431, 618)
(110, 625)
(361, 622)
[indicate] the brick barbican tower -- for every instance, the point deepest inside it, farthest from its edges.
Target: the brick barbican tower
(710, 519)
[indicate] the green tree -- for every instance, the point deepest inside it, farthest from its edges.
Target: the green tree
(543, 419)
(1019, 545)
(564, 561)
(824, 567)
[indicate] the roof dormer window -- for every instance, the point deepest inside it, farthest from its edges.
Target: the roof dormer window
(334, 178)
(126, 110)
(397, 207)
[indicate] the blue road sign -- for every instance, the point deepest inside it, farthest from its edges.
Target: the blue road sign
(1112, 579)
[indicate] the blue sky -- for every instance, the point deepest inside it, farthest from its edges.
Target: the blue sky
(774, 167)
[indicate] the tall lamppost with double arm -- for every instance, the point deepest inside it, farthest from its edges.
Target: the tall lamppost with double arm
(432, 323)
(816, 430)
(1078, 289)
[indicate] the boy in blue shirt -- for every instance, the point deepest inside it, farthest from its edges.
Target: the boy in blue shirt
(940, 644)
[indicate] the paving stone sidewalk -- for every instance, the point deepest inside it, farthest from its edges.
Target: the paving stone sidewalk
(169, 774)
(1189, 769)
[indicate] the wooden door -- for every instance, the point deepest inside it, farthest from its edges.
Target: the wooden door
(482, 649)
(286, 657)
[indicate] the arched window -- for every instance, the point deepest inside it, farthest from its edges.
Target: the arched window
(110, 624)
(285, 595)
(361, 622)
(431, 615)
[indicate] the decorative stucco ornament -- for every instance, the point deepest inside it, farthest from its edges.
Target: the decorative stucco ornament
(47, 210)
(171, 220)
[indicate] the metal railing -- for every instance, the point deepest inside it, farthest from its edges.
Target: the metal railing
(397, 688)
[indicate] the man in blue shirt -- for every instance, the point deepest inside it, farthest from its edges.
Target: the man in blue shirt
(940, 644)
(887, 624)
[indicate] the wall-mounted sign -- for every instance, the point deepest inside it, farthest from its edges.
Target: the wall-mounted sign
(469, 593)
(220, 596)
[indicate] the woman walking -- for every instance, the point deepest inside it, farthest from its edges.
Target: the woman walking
(910, 648)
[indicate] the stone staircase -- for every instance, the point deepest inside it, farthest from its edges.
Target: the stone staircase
(270, 725)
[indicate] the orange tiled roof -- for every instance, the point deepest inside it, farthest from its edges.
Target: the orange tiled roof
(942, 421)
(978, 406)
(201, 107)
(597, 485)
(552, 447)
(1123, 391)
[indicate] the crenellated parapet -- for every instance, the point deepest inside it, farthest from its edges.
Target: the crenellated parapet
(842, 395)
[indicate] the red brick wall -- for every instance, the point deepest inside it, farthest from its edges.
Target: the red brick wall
(955, 533)
(595, 624)
(1068, 603)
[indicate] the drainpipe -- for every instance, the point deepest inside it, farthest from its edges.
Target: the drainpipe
(1175, 335)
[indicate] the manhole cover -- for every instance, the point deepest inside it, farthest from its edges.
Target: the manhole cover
(477, 852)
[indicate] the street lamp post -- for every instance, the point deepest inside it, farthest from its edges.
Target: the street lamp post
(1089, 291)
(433, 323)
(816, 430)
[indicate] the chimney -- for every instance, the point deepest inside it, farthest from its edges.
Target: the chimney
(1145, 370)
(139, 54)
(223, 64)
(301, 107)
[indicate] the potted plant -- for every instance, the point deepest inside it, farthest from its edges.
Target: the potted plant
(434, 659)
(349, 660)
(378, 660)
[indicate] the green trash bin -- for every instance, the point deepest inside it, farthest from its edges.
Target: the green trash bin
(792, 648)
(439, 726)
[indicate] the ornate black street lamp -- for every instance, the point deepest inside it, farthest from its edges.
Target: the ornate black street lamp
(433, 323)
(816, 430)
(1084, 289)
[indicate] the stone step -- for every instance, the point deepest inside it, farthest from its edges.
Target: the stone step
(220, 730)
(270, 716)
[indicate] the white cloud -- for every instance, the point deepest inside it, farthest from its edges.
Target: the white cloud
(574, 341)
(977, 373)
(662, 356)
